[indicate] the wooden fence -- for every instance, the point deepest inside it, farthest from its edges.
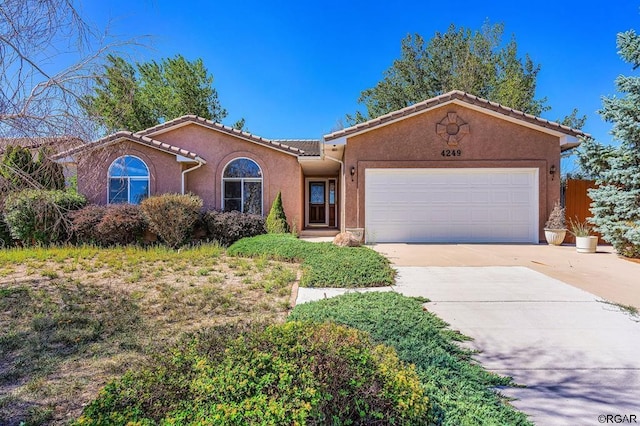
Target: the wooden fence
(576, 202)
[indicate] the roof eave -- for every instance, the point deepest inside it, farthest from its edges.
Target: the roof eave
(457, 98)
(208, 124)
(135, 138)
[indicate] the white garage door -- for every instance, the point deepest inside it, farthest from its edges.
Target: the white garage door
(451, 205)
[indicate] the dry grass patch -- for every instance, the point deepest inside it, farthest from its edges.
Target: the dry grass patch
(74, 318)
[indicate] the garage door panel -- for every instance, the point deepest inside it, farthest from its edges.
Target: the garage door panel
(480, 196)
(451, 205)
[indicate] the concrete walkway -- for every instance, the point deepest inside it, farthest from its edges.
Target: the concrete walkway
(578, 357)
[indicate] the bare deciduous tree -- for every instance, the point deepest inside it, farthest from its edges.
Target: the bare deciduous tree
(49, 59)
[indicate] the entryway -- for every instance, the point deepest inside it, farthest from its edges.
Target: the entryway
(321, 203)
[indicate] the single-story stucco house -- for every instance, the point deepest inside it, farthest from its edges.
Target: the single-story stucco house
(454, 168)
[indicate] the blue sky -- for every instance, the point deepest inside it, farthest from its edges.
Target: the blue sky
(293, 69)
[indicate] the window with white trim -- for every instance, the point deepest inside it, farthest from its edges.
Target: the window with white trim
(128, 180)
(242, 186)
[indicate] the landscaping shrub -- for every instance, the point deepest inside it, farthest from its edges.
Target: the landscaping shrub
(41, 216)
(5, 235)
(323, 264)
(296, 373)
(115, 224)
(228, 227)
(85, 223)
(277, 219)
(121, 224)
(172, 216)
(460, 390)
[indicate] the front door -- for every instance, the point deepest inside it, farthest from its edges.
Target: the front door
(317, 203)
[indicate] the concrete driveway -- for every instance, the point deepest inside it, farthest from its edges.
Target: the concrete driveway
(577, 356)
(603, 274)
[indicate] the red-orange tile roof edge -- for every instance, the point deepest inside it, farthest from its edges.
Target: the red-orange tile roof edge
(449, 96)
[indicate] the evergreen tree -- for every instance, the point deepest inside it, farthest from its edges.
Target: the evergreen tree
(116, 99)
(20, 170)
(136, 97)
(277, 219)
(476, 62)
(616, 202)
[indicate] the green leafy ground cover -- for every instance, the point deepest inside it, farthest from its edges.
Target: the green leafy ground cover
(293, 373)
(323, 264)
(459, 389)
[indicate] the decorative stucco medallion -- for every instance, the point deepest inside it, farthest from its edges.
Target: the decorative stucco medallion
(452, 129)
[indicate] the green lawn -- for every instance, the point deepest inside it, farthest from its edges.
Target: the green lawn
(323, 264)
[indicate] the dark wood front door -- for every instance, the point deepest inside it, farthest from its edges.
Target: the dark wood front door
(317, 202)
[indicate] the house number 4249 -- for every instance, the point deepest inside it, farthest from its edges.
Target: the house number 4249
(451, 153)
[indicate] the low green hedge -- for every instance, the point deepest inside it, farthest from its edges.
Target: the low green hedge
(459, 389)
(296, 373)
(324, 264)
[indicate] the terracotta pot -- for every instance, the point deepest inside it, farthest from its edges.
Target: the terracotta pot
(555, 237)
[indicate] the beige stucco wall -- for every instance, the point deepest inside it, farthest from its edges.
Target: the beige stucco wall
(414, 143)
(281, 171)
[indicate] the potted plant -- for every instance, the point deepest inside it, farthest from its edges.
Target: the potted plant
(585, 243)
(555, 228)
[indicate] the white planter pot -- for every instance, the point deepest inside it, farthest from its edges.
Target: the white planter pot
(586, 244)
(555, 237)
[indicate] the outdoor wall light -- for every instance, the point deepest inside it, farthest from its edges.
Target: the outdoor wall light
(552, 171)
(353, 172)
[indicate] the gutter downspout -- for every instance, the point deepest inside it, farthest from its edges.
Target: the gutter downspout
(342, 189)
(184, 172)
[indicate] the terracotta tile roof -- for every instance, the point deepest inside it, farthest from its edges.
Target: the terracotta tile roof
(308, 147)
(448, 97)
(122, 135)
(275, 144)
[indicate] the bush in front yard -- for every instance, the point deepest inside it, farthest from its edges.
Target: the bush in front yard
(5, 234)
(121, 224)
(172, 216)
(228, 227)
(461, 391)
(277, 219)
(41, 216)
(115, 224)
(294, 373)
(85, 224)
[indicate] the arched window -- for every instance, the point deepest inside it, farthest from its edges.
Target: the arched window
(128, 180)
(242, 186)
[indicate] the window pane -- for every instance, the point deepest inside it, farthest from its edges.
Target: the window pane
(118, 191)
(253, 197)
(232, 204)
(135, 167)
(139, 190)
(128, 166)
(332, 192)
(242, 168)
(117, 168)
(232, 189)
(316, 195)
